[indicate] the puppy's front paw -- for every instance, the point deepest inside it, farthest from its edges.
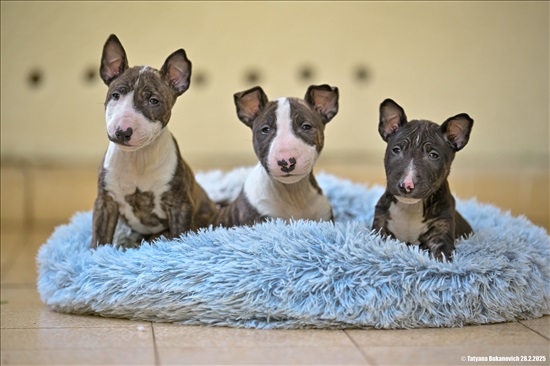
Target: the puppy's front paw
(440, 250)
(93, 244)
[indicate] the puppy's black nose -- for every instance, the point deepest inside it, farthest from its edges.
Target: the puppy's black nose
(124, 136)
(285, 167)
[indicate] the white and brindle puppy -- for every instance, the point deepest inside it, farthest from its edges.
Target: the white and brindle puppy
(143, 179)
(418, 207)
(288, 136)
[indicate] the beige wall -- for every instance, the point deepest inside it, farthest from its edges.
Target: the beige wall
(437, 59)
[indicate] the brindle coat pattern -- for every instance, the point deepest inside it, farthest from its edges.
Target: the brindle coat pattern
(186, 205)
(238, 213)
(185, 192)
(432, 148)
(105, 213)
(143, 204)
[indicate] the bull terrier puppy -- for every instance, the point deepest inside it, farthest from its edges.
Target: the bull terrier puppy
(143, 179)
(288, 136)
(417, 206)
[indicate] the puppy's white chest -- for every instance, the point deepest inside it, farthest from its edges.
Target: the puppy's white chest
(407, 221)
(293, 201)
(137, 181)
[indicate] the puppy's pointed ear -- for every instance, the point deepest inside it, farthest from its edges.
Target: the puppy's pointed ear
(456, 130)
(392, 118)
(176, 71)
(249, 104)
(324, 100)
(113, 60)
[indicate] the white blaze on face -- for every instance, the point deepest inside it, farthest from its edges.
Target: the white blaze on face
(286, 146)
(121, 114)
(408, 181)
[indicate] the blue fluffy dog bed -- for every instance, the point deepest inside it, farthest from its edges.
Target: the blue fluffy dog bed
(303, 274)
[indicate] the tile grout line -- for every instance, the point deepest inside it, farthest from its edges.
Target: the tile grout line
(155, 349)
(526, 326)
(369, 361)
(28, 197)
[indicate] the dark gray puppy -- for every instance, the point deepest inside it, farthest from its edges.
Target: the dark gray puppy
(417, 206)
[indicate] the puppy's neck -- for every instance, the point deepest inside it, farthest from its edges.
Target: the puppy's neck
(296, 200)
(295, 192)
(407, 201)
(145, 158)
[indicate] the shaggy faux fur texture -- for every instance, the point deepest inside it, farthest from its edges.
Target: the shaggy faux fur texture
(303, 274)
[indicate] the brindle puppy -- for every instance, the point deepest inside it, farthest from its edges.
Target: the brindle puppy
(287, 136)
(143, 179)
(418, 207)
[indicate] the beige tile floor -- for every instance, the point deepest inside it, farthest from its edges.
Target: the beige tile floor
(32, 334)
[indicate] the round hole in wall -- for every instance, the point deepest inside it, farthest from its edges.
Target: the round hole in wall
(252, 76)
(90, 74)
(306, 72)
(199, 78)
(35, 78)
(361, 73)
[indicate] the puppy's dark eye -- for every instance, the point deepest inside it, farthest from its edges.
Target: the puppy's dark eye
(306, 127)
(115, 95)
(433, 155)
(396, 150)
(266, 130)
(153, 101)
